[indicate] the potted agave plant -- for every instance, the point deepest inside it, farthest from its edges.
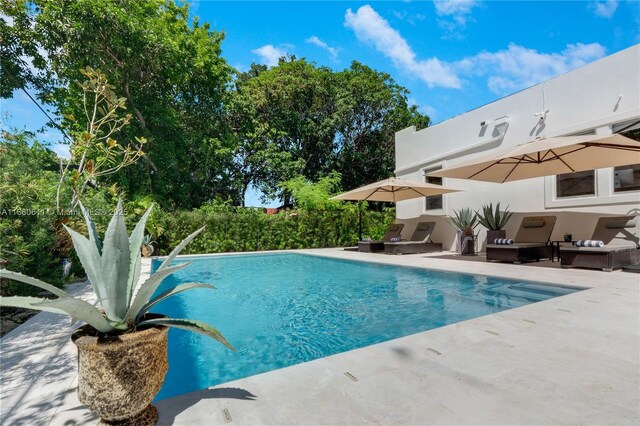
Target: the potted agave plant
(122, 349)
(494, 220)
(465, 221)
(148, 246)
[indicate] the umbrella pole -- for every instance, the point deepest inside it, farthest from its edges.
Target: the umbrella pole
(359, 220)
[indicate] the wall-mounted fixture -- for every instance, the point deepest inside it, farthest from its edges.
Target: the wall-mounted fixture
(542, 115)
(484, 123)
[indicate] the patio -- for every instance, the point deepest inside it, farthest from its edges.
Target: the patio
(569, 360)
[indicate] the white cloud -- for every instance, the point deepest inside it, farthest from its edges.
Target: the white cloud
(269, 54)
(454, 7)
(412, 19)
(332, 50)
(455, 14)
(370, 27)
(61, 149)
(518, 67)
(423, 108)
(604, 9)
(506, 71)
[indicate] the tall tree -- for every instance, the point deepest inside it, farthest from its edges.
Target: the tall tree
(300, 119)
(169, 68)
(282, 121)
(370, 108)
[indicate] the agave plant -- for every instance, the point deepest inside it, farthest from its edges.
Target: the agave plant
(113, 269)
(147, 245)
(465, 220)
(494, 220)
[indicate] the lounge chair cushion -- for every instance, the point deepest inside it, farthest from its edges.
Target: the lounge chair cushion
(620, 222)
(604, 249)
(393, 231)
(617, 231)
(535, 229)
(516, 246)
(423, 232)
(532, 223)
(621, 246)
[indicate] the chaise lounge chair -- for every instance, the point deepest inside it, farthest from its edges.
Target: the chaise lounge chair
(620, 236)
(393, 231)
(531, 242)
(420, 241)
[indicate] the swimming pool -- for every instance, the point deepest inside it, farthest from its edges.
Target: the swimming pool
(284, 309)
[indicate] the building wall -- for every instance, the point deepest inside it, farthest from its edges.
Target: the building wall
(599, 98)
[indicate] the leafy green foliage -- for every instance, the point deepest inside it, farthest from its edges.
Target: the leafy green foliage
(28, 220)
(207, 138)
(315, 196)
(113, 269)
(95, 153)
(243, 229)
(167, 66)
(465, 220)
(492, 218)
(301, 119)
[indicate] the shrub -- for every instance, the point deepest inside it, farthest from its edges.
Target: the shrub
(28, 225)
(243, 229)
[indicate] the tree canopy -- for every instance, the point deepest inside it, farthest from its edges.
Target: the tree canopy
(298, 118)
(210, 131)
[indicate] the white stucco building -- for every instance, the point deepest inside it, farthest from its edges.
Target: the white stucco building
(599, 98)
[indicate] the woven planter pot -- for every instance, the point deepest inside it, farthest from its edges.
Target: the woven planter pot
(466, 243)
(119, 376)
(147, 251)
(493, 234)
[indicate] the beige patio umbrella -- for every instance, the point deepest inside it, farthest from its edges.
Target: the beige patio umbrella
(546, 157)
(391, 190)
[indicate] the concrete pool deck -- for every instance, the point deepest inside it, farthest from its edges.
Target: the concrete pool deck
(574, 359)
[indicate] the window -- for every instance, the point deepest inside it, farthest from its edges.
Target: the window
(433, 202)
(626, 178)
(576, 184)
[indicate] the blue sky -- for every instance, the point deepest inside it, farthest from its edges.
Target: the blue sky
(453, 56)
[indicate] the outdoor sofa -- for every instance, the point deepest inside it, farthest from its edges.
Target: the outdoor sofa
(621, 239)
(531, 242)
(420, 241)
(393, 231)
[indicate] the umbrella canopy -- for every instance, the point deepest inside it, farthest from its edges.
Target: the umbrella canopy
(546, 157)
(392, 190)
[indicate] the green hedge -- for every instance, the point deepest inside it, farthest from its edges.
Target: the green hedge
(239, 229)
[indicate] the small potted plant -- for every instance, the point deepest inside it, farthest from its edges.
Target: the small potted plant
(147, 246)
(494, 220)
(122, 349)
(465, 221)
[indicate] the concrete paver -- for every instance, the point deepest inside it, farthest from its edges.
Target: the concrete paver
(574, 359)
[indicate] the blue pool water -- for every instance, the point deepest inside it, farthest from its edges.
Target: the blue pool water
(284, 309)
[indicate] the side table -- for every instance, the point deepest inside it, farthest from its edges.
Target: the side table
(555, 248)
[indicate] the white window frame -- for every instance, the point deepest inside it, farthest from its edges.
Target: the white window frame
(613, 185)
(604, 181)
(434, 212)
(570, 197)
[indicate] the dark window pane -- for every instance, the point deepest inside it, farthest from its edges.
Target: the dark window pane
(575, 184)
(433, 202)
(626, 178)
